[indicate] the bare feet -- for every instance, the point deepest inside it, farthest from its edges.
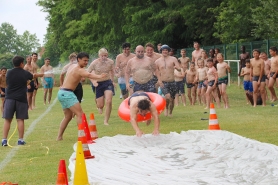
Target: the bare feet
(105, 123)
(206, 108)
(59, 138)
(148, 122)
(99, 110)
(274, 99)
(166, 112)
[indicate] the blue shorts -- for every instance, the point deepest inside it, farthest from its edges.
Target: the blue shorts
(104, 86)
(180, 86)
(248, 86)
(49, 81)
(67, 98)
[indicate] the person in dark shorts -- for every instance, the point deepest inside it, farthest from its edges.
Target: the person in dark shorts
(3, 86)
(140, 103)
(16, 99)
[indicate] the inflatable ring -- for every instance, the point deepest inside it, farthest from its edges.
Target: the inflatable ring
(156, 99)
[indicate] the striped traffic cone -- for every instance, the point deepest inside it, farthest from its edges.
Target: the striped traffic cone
(213, 121)
(86, 129)
(83, 139)
(93, 127)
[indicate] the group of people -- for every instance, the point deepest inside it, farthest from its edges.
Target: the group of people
(143, 71)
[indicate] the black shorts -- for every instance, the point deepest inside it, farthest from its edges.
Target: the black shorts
(170, 88)
(146, 87)
(13, 106)
(223, 80)
(3, 90)
(190, 85)
(36, 88)
(180, 86)
(256, 78)
(79, 92)
(104, 86)
(32, 84)
(272, 73)
(211, 83)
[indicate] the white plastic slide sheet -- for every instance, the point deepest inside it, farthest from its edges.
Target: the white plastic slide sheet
(191, 157)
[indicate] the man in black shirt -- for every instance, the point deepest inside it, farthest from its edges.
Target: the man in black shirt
(16, 99)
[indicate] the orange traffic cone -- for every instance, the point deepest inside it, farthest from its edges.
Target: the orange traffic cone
(93, 127)
(213, 121)
(80, 172)
(61, 179)
(83, 139)
(62, 169)
(86, 129)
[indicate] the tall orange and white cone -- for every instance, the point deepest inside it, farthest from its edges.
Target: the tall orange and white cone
(93, 127)
(213, 121)
(86, 129)
(83, 139)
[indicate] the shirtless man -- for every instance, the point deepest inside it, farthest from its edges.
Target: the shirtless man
(79, 89)
(197, 53)
(179, 77)
(47, 80)
(3, 86)
(121, 62)
(273, 71)
(142, 68)
(204, 56)
(184, 59)
(105, 85)
(31, 84)
(166, 79)
(257, 76)
(213, 57)
(139, 103)
(149, 52)
(66, 96)
(242, 57)
(267, 65)
(36, 82)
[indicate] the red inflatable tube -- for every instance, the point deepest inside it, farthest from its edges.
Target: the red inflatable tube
(156, 99)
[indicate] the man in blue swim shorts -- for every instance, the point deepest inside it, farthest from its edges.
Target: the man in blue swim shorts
(67, 98)
(104, 89)
(47, 80)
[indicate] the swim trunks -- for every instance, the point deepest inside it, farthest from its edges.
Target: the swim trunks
(211, 83)
(170, 88)
(223, 80)
(78, 91)
(180, 86)
(190, 85)
(104, 86)
(256, 78)
(138, 94)
(248, 86)
(147, 87)
(202, 84)
(32, 85)
(272, 73)
(67, 98)
(49, 81)
(3, 90)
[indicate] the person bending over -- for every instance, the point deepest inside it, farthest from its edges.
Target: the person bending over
(140, 103)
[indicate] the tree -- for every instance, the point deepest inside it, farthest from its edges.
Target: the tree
(8, 39)
(27, 43)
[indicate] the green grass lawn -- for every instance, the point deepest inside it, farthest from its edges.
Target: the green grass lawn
(37, 162)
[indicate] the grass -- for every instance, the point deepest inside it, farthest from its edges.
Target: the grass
(37, 163)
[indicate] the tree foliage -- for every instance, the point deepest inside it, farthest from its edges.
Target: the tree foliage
(88, 25)
(12, 44)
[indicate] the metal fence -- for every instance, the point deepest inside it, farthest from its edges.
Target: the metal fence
(231, 53)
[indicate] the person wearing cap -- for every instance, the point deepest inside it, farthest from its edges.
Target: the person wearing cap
(165, 67)
(142, 68)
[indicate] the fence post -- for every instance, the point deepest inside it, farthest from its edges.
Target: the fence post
(267, 45)
(225, 56)
(237, 56)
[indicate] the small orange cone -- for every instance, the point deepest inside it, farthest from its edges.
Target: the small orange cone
(80, 172)
(86, 129)
(83, 139)
(62, 169)
(61, 179)
(93, 127)
(213, 121)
